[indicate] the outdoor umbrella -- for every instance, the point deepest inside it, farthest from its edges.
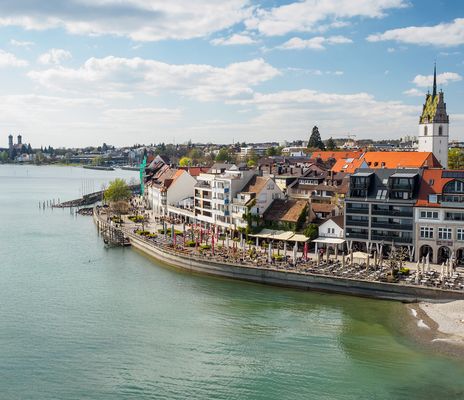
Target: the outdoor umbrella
(285, 249)
(269, 252)
(295, 253)
(427, 262)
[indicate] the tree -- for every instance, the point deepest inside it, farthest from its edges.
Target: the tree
(312, 231)
(271, 151)
(3, 156)
(185, 161)
(315, 141)
(331, 145)
(98, 160)
(224, 155)
(456, 159)
(117, 191)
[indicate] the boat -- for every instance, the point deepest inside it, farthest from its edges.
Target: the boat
(98, 167)
(130, 168)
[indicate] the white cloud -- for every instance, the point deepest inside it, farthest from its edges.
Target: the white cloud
(444, 34)
(307, 15)
(19, 43)
(315, 43)
(10, 60)
(442, 79)
(54, 57)
(235, 39)
(413, 92)
(114, 76)
(141, 20)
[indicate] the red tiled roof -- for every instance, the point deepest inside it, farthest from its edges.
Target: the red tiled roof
(403, 159)
(195, 171)
(336, 155)
(432, 183)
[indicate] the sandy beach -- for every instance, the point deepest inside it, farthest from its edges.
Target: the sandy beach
(448, 317)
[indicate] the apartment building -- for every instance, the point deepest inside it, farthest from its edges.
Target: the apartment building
(439, 216)
(379, 209)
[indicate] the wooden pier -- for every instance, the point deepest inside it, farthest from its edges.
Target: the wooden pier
(112, 234)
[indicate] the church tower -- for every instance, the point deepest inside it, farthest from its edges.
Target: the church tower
(434, 125)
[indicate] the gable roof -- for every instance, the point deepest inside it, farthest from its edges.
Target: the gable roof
(285, 210)
(255, 184)
(400, 159)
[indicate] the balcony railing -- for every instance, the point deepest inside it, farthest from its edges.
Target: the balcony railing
(352, 235)
(357, 211)
(356, 223)
(389, 238)
(393, 213)
(401, 227)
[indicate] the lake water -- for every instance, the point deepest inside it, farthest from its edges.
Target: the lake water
(78, 321)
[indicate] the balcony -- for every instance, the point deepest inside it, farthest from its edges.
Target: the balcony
(390, 238)
(352, 235)
(393, 213)
(356, 223)
(400, 227)
(364, 211)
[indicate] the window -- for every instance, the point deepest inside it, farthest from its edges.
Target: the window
(454, 216)
(444, 233)
(429, 214)
(460, 234)
(425, 130)
(440, 130)
(426, 232)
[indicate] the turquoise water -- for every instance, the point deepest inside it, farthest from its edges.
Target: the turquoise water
(81, 322)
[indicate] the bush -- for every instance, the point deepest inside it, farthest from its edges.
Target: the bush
(136, 218)
(152, 235)
(168, 232)
(404, 271)
(117, 220)
(142, 233)
(250, 242)
(205, 246)
(190, 243)
(278, 257)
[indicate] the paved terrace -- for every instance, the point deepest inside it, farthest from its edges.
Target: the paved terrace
(233, 251)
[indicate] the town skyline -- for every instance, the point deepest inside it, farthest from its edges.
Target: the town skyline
(239, 72)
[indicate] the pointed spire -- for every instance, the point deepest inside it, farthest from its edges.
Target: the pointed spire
(434, 80)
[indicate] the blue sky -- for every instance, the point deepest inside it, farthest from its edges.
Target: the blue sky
(84, 72)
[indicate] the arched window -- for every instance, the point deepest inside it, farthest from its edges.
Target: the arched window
(453, 192)
(425, 130)
(440, 130)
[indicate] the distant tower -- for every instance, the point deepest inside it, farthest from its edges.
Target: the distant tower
(10, 142)
(434, 125)
(20, 139)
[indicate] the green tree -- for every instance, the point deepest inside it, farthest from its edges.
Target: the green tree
(312, 231)
(98, 160)
(3, 156)
(331, 145)
(315, 141)
(117, 191)
(185, 161)
(271, 151)
(224, 155)
(456, 159)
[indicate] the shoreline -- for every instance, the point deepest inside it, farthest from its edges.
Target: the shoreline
(438, 326)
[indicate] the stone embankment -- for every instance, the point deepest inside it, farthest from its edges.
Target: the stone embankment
(186, 259)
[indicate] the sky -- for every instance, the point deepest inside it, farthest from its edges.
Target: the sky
(79, 73)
